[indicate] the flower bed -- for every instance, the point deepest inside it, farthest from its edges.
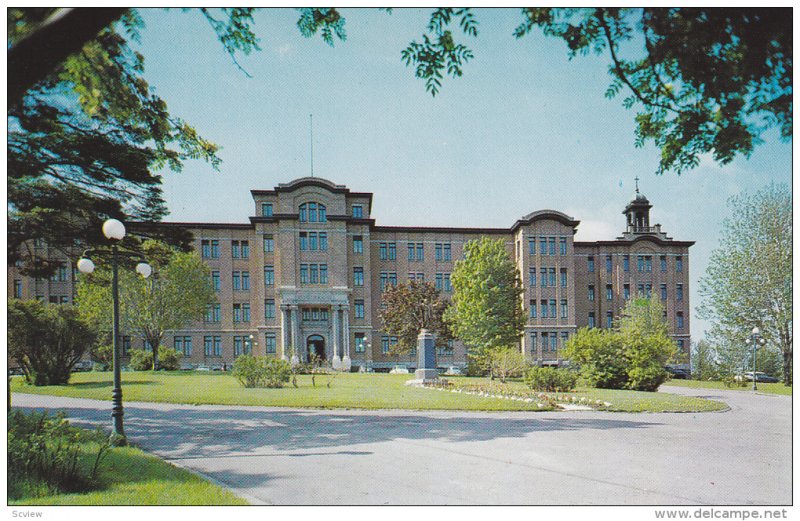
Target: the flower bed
(543, 400)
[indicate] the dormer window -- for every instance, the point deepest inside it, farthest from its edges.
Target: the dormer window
(358, 211)
(313, 213)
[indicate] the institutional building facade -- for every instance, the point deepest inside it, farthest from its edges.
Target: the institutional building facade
(306, 274)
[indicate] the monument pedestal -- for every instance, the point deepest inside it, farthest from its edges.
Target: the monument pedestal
(347, 364)
(426, 360)
(336, 363)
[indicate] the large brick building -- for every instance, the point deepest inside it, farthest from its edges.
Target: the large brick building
(309, 268)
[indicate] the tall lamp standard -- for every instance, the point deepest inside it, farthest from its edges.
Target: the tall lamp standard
(115, 231)
(756, 339)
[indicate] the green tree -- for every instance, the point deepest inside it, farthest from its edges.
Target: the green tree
(177, 293)
(47, 340)
(410, 307)
(748, 282)
(486, 313)
(704, 363)
(507, 362)
(632, 355)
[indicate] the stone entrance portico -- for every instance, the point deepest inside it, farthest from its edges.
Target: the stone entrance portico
(297, 324)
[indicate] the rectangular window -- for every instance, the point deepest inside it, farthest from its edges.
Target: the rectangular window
(215, 283)
(542, 245)
(270, 344)
(17, 289)
(663, 292)
(269, 308)
(183, 345)
(237, 280)
(359, 309)
(563, 245)
(269, 276)
(564, 308)
(411, 251)
(679, 292)
(609, 263)
(384, 280)
(392, 251)
(591, 293)
(237, 312)
(553, 342)
(358, 211)
(312, 240)
(680, 319)
(385, 344)
(553, 308)
(648, 290)
(358, 276)
(245, 280)
(304, 273)
(626, 263)
(534, 342)
(215, 249)
(235, 252)
(360, 343)
(609, 292)
(543, 273)
(437, 251)
(245, 249)
(679, 264)
(552, 245)
(323, 273)
(640, 290)
(626, 291)
(266, 209)
(217, 346)
(447, 255)
(420, 252)
(532, 277)
(61, 274)
(439, 281)
(303, 241)
(323, 241)
(552, 277)
(205, 249)
(358, 244)
(237, 345)
(245, 312)
(640, 263)
(208, 345)
(393, 278)
(609, 319)
(447, 287)
(544, 342)
(313, 273)
(648, 263)
(591, 319)
(663, 261)
(269, 244)
(212, 313)
(532, 245)
(563, 277)
(591, 264)
(532, 308)
(543, 307)
(564, 338)
(382, 251)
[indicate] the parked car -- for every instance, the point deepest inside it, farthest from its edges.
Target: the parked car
(760, 377)
(678, 373)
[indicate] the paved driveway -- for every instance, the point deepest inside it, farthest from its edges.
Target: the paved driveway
(289, 456)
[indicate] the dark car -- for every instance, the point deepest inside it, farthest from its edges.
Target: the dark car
(760, 377)
(678, 373)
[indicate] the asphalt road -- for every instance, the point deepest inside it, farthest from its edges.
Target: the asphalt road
(342, 457)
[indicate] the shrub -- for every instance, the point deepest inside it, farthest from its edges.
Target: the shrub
(261, 371)
(44, 455)
(550, 379)
(141, 360)
(169, 359)
(507, 362)
(475, 367)
(47, 340)
(103, 356)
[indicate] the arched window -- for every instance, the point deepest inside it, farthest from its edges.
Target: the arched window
(313, 212)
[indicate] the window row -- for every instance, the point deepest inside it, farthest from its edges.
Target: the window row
(549, 341)
(416, 252)
(313, 273)
(313, 212)
(313, 241)
(679, 319)
(644, 289)
(644, 263)
(547, 277)
(548, 309)
(212, 344)
(314, 314)
(547, 245)
(209, 249)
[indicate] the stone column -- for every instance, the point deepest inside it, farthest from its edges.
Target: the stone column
(426, 358)
(285, 336)
(336, 362)
(346, 362)
(298, 349)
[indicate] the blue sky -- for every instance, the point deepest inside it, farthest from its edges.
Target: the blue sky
(524, 129)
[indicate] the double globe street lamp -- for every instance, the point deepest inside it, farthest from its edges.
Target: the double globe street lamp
(757, 340)
(114, 230)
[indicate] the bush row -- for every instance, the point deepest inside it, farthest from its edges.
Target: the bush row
(550, 379)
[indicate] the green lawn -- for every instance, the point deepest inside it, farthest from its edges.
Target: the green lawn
(129, 476)
(351, 390)
(778, 388)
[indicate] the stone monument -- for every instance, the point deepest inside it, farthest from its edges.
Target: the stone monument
(426, 359)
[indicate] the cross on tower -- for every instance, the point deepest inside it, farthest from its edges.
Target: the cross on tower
(637, 183)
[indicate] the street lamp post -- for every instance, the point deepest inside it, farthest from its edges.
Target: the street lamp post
(755, 339)
(115, 231)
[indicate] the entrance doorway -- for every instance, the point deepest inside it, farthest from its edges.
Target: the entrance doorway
(316, 346)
